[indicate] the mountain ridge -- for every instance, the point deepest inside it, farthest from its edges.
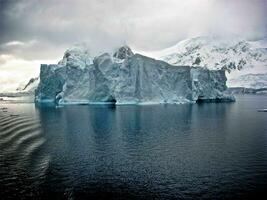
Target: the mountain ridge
(237, 56)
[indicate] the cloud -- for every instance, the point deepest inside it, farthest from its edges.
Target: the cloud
(31, 50)
(41, 30)
(14, 71)
(147, 24)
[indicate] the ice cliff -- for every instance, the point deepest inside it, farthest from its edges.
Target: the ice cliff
(123, 77)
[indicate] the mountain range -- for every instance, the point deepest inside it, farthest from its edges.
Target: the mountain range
(245, 61)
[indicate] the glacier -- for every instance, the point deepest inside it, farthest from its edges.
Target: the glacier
(122, 77)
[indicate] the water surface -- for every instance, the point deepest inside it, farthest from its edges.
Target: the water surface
(212, 151)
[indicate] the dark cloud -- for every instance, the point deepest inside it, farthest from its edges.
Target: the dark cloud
(36, 31)
(47, 27)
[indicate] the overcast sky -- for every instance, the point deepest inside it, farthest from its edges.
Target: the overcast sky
(39, 31)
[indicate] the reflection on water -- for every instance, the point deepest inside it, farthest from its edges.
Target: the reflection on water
(142, 152)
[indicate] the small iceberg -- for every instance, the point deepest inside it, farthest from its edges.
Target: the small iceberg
(262, 110)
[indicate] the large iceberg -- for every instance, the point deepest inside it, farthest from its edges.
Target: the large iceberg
(123, 77)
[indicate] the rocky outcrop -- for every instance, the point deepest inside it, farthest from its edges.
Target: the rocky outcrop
(126, 78)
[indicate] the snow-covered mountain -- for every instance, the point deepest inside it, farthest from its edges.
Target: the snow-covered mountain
(244, 61)
(255, 81)
(29, 87)
(24, 93)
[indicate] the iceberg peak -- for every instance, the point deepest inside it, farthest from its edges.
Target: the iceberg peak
(123, 52)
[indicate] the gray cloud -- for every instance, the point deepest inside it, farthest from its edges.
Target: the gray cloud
(46, 28)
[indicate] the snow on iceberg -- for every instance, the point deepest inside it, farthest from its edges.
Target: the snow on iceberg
(123, 77)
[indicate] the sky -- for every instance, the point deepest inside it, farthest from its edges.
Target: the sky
(39, 31)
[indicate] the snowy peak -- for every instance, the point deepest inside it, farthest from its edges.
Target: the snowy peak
(215, 53)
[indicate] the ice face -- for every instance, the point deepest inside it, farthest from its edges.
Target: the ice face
(135, 79)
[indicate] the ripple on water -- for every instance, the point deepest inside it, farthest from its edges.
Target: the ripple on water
(23, 136)
(5, 118)
(21, 140)
(16, 124)
(155, 152)
(19, 130)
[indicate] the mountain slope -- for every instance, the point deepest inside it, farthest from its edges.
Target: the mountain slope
(238, 57)
(30, 86)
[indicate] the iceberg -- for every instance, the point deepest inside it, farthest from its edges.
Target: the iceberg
(122, 77)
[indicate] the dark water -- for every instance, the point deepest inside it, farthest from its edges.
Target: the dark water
(213, 151)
